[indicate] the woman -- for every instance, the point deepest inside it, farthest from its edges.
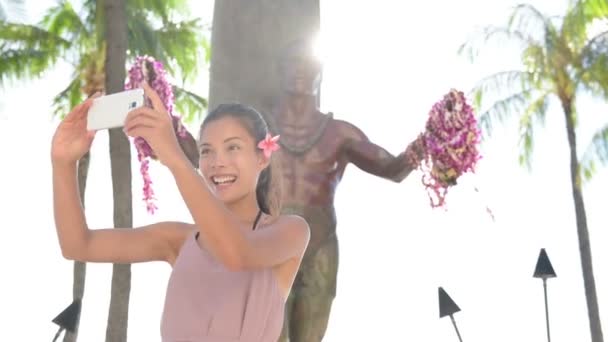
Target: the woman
(234, 267)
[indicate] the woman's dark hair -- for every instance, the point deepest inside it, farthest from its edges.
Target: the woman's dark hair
(268, 191)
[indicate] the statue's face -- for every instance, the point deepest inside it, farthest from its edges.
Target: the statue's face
(300, 72)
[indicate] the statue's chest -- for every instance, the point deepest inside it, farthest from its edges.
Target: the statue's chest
(321, 159)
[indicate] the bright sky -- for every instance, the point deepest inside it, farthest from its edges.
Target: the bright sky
(386, 64)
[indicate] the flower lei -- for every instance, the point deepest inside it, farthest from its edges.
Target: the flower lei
(146, 68)
(449, 146)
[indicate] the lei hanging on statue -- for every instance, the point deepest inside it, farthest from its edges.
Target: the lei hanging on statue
(449, 144)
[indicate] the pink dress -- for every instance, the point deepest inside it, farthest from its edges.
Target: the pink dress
(206, 302)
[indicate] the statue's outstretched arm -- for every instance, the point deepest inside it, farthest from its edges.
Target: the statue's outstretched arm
(373, 159)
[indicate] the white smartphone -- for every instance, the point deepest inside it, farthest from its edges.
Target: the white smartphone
(110, 111)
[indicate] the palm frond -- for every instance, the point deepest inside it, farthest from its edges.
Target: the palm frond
(526, 142)
(24, 63)
(502, 110)
(27, 51)
(533, 114)
(189, 105)
(597, 151)
(162, 10)
(68, 98)
(15, 35)
(504, 80)
(534, 57)
(582, 14)
(63, 21)
(142, 39)
(592, 71)
(172, 39)
(207, 50)
(527, 18)
(496, 34)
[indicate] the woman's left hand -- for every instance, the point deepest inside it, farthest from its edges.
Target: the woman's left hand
(156, 127)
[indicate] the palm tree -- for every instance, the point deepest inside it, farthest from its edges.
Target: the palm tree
(27, 51)
(115, 28)
(559, 61)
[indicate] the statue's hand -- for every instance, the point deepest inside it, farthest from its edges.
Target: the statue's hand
(416, 151)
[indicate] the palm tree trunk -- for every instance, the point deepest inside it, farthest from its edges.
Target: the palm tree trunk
(80, 268)
(581, 227)
(120, 162)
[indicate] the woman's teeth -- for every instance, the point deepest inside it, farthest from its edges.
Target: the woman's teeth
(223, 179)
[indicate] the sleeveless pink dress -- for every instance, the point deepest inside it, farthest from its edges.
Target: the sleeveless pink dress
(206, 302)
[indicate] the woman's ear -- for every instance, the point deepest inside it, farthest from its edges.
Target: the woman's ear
(263, 162)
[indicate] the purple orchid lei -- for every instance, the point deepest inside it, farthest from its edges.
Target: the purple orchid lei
(449, 144)
(146, 68)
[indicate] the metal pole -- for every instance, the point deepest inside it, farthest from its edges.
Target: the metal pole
(546, 309)
(455, 327)
(57, 334)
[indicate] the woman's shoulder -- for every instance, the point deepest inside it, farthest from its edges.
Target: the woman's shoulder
(290, 220)
(293, 225)
(178, 233)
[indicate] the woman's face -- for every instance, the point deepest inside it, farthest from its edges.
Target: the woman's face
(229, 159)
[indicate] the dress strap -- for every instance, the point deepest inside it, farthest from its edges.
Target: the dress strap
(257, 219)
(255, 223)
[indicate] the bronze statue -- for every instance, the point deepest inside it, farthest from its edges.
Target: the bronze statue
(316, 149)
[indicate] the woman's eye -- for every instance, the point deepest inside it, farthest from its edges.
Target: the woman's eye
(205, 151)
(234, 148)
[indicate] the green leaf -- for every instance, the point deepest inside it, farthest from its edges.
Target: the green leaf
(17, 36)
(162, 10)
(597, 151)
(173, 37)
(592, 71)
(496, 34)
(526, 141)
(207, 48)
(501, 110)
(24, 63)
(582, 14)
(64, 22)
(68, 98)
(159, 28)
(504, 81)
(189, 105)
(527, 18)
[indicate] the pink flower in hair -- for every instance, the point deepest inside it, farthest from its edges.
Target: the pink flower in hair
(269, 144)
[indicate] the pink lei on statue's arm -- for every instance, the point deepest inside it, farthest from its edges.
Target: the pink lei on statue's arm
(450, 144)
(148, 69)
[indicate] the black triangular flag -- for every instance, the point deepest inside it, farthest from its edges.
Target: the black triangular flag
(446, 304)
(543, 266)
(68, 318)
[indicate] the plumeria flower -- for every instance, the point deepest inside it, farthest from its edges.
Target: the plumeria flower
(269, 144)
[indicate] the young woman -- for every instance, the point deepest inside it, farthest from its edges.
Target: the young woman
(234, 267)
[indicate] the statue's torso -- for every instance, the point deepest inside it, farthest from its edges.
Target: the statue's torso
(311, 162)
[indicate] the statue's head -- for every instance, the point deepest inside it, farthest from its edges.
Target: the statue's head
(300, 69)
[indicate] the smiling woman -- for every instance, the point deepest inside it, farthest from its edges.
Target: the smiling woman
(234, 268)
(225, 132)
